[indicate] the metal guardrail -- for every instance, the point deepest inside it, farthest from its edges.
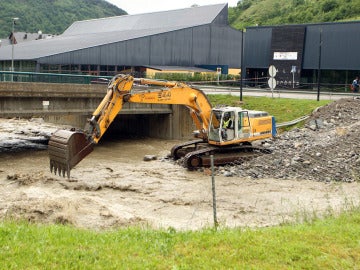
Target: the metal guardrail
(8, 76)
(220, 88)
(279, 93)
(223, 85)
(292, 122)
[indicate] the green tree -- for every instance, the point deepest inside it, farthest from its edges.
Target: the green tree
(329, 5)
(270, 12)
(51, 16)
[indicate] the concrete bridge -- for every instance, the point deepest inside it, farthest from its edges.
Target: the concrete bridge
(73, 104)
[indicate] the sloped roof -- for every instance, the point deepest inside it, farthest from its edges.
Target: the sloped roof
(91, 33)
(178, 19)
(24, 37)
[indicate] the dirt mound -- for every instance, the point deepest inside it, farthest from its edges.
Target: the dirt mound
(326, 149)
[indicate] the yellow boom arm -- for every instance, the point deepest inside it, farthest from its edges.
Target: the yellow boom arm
(120, 91)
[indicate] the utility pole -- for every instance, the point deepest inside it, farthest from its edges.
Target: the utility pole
(319, 66)
(242, 64)
(12, 48)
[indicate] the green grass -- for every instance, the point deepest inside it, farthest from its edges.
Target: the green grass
(283, 109)
(331, 243)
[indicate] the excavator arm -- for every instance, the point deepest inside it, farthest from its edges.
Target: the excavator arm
(121, 90)
(109, 107)
(68, 148)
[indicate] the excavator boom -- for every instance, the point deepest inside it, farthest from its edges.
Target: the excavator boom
(68, 147)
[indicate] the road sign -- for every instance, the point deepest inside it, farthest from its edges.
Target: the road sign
(272, 71)
(272, 82)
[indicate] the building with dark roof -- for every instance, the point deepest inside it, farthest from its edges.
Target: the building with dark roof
(18, 37)
(193, 37)
(300, 52)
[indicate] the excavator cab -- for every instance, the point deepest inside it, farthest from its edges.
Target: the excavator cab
(222, 125)
(234, 125)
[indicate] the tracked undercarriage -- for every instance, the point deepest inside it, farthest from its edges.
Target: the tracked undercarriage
(197, 153)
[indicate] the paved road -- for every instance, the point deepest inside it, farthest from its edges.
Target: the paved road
(298, 94)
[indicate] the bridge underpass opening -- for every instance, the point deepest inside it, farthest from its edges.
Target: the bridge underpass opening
(135, 126)
(176, 124)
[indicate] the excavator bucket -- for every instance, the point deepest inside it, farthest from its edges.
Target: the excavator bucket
(66, 149)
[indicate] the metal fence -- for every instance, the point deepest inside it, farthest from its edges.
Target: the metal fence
(7, 76)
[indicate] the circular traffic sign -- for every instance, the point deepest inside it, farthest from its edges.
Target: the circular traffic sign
(272, 83)
(272, 71)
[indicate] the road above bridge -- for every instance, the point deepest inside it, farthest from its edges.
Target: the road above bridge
(277, 93)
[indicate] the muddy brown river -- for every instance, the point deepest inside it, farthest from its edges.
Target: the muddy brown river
(114, 187)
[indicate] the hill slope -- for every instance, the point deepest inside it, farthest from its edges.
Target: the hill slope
(51, 16)
(54, 16)
(277, 12)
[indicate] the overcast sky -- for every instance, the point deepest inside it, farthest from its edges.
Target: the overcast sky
(146, 6)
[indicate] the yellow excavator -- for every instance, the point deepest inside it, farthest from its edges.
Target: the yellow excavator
(224, 132)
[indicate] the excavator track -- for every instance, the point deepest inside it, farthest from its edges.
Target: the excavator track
(180, 150)
(222, 156)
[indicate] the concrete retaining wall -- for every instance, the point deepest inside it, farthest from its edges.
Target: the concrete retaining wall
(73, 104)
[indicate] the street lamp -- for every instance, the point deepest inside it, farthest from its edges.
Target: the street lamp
(319, 65)
(242, 63)
(12, 44)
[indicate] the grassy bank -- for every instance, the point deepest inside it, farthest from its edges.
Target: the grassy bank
(332, 243)
(283, 109)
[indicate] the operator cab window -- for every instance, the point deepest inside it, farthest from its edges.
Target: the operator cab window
(243, 124)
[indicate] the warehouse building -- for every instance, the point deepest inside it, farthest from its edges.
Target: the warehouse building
(303, 53)
(198, 38)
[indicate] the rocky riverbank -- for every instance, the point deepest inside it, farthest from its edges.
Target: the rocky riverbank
(326, 149)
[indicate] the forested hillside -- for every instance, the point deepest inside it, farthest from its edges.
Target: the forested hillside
(277, 12)
(54, 16)
(51, 16)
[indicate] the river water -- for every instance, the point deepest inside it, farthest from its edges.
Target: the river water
(114, 186)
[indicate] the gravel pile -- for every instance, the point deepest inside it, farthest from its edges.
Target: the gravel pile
(326, 149)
